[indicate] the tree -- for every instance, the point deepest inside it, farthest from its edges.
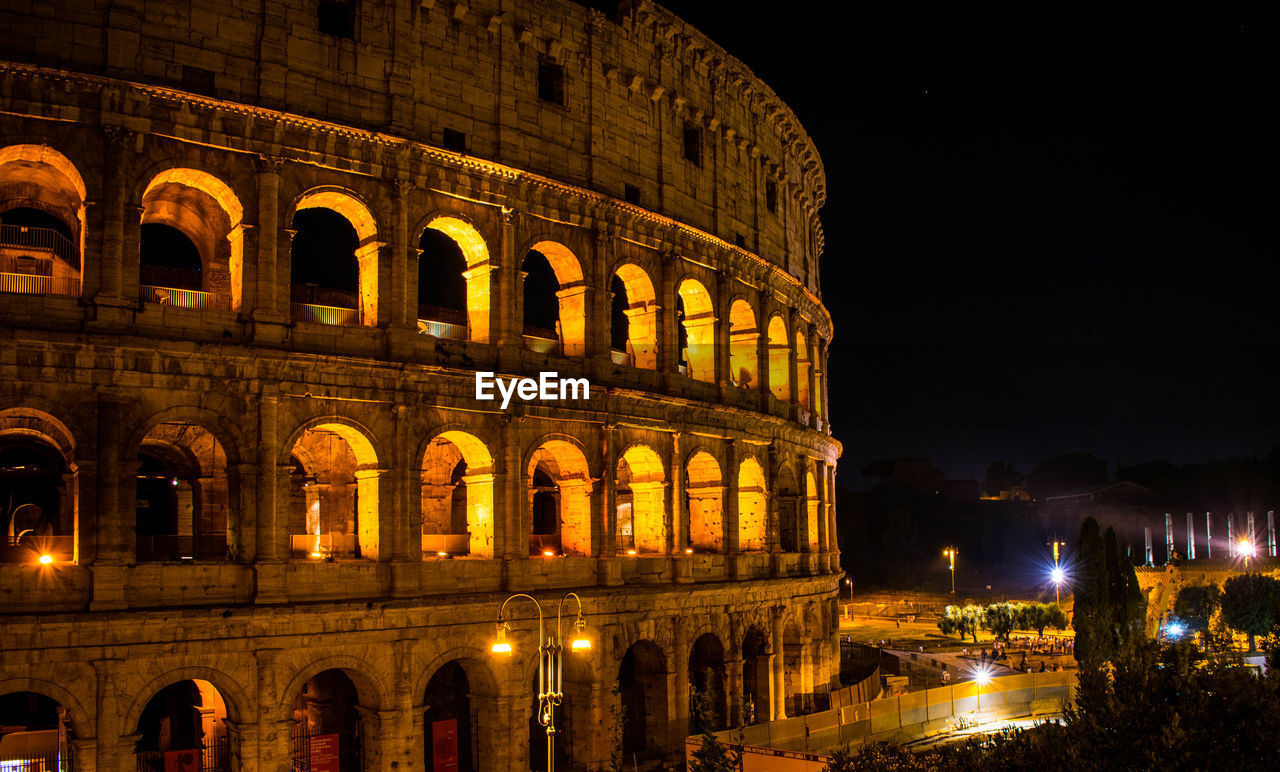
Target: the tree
(1001, 618)
(711, 755)
(964, 620)
(1248, 604)
(1038, 616)
(1128, 609)
(1092, 615)
(1195, 605)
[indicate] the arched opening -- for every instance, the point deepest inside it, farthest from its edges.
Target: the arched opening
(457, 497)
(753, 515)
(41, 221)
(183, 494)
(34, 500)
(704, 490)
(810, 512)
(192, 250)
(697, 318)
(327, 731)
(640, 497)
(35, 733)
(792, 666)
(449, 722)
(559, 500)
(642, 692)
(333, 494)
(744, 340)
(554, 300)
(802, 371)
(789, 521)
(706, 684)
(634, 318)
(779, 359)
(454, 271)
(334, 260)
(756, 677)
(184, 726)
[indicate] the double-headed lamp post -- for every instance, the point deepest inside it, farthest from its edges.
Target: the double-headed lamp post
(550, 661)
(950, 553)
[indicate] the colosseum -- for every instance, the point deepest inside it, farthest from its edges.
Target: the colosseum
(254, 258)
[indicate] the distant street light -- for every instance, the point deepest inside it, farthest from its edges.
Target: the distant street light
(1247, 550)
(848, 582)
(1058, 576)
(950, 553)
(982, 677)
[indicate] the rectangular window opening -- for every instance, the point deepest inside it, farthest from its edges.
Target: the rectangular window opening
(337, 18)
(693, 145)
(631, 194)
(455, 140)
(551, 82)
(771, 196)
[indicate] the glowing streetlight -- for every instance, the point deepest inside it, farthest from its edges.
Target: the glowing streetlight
(950, 553)
(46, 559)
(981, 677)
(1058, 576)
(1246, 550)
(550, 661)
(848, 582)
(1175, 629)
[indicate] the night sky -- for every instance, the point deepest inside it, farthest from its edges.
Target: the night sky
(1044, 234)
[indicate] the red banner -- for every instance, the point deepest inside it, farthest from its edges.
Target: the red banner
(324, 753)
(182, 761)
(444, 745)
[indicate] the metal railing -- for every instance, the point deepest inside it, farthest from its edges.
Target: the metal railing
(182, 298)
(45, 763)
(442, 329)
(28, 284)
(215, 756)
(317, 314)
(541, 340)
(37, 238)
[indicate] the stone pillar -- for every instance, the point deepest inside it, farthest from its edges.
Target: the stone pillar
(131, 253)
(762, 353)
(826, 389)
(111, 755)
(267, 304)
(401, 745)
(608, 548)
(598, 302)
(773, 527)
(833, 531)
(733, 684)
(114, 533)
(508, 326)
(819, 472)
(777, 668)
(668, 325)
(272, 520)
(403, 276)
(732, 531)
(116, 141)
(677, 525)
(811, 356)
(722, 341)
(510, 534)
(793, 378)
(680, 657)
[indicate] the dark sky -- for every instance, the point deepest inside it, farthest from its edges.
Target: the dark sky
(1046, 233)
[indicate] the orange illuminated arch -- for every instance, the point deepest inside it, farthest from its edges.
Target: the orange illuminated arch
(802, 370)
(559, 478)
(209, 213)
(704, 488)
(642, 316)
(44, 529)
(479, 268)
(700, 330)
(354, 210)
(811, 501)
(753, 515)
(457, 496)
(334, 502)
(641, 500)
(571, 295)
(39, 177)
(744, 341)
(779, 359)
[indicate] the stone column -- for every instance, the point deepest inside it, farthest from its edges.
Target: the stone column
(116, 141)
(272, 520)
(793, 391)
(762, 353)
(508, 325)
(267, 303)
(680, 642)
(509, 529)
(826, 389)
(678, 527)
(114, 533)
(668, 325)
(722, 335)
(608, 547)
(778, 681)
(732, 531)
(598, 306)
(110, 754)
(773, 527)
(824, 538)
(833, 531)
(733, 684)
(403, 276)
(810, 342)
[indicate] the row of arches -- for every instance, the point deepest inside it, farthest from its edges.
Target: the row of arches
(189, 494)
(337, 715)
(192, 254)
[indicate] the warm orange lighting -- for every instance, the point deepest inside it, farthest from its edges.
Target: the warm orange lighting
(548, 554)
(631, 552)
(580, 641)
(501, 646)
(442, 554)
(580, 644)
(317, 554)
(688, 550)
(46, 560)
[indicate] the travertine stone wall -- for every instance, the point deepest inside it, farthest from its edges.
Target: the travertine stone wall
(225, 119)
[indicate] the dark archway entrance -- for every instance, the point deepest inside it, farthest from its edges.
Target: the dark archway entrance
(185, 723)
(449, 722)
(642, 690)
(37, 733)
(706, 680)
(327, 723)
(755, 677)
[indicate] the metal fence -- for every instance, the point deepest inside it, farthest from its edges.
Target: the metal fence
(40, 239)
(317, 314)
(182, 298)
(30, 284)
(350, 754)
(214, 755)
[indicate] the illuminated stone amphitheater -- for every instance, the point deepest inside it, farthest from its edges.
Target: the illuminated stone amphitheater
(250, 266)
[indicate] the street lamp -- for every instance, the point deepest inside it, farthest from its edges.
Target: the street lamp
(848, 582)
(981, 677)
(550, 661)
(1245, 548)
(1057, 575)
(950, 553)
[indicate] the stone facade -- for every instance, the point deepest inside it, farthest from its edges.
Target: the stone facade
(277, 498)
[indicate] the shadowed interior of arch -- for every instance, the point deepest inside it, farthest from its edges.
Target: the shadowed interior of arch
(42, 217)
(191, 240)
(334, 259)
(554, 300)
(38, 732)
(333, 494)
(189, 715)
(559, 500)
(642, 694)
(707, 685)
(183, 494)
(38, 505)
(454, 275)
(641, 502)
(457, 497)
(327, 712)
(634, 317)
